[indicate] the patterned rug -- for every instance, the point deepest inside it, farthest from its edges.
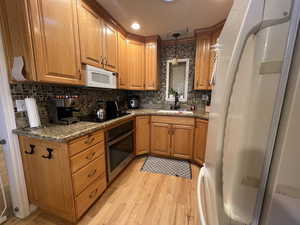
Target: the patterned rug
(173, 167)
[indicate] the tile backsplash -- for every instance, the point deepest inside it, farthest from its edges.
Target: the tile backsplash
(41, 92)
(150, 99)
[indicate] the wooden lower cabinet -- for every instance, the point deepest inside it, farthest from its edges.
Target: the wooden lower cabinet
(172, 136)
(161, 139)
(64, 178)
(143, 138)
(200, 141)
(182, 141)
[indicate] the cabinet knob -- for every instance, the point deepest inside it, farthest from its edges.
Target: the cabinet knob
(90, 140)
(92, 194)
(91, 156)
(49, 155)
(32, 147)
(92, 173)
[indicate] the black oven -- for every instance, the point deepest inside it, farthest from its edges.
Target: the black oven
(120, 148)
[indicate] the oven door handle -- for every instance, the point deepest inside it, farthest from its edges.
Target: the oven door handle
(120, 138)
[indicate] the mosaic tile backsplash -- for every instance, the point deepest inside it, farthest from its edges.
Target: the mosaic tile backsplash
(157, 99)
(41, 92)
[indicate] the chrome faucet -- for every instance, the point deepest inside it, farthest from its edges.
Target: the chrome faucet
(176, 102)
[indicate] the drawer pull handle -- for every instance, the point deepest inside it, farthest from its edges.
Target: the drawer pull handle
(89, 140)
(92, 194)
(91, 156)
(32, 147)
(92, 173)
(49, 156)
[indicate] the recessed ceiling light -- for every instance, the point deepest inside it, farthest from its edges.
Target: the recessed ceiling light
(168, 1)
(135, 26)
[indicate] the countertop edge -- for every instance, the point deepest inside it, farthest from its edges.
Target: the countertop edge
(133, 113)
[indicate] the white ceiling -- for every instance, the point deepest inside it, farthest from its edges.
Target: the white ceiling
(158, 17)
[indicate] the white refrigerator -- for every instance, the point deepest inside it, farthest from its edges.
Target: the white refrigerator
(254, 55)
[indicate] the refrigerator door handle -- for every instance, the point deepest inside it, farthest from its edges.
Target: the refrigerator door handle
(200, 190)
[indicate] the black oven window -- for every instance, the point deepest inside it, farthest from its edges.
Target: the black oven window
(120, 151)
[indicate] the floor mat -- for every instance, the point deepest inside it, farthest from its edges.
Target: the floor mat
(173, 167)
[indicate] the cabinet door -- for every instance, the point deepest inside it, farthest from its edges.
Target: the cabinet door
(48, 180)
(182, 141)
(56, 41)
(151, 66)
(110, 48)
(214, 37)
(161, 139)
(200, 141)
(202, 64)
(91, 38)
(136, 65)
(122, 62)
(142, 135)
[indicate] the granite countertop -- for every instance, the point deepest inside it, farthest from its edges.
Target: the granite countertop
(140, 112)
(66, 133)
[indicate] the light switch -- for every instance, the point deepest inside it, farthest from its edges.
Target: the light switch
(20, 104)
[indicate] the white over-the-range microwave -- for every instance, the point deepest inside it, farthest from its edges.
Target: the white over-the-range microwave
(96, 77)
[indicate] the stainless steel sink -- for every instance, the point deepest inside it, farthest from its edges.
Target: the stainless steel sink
(176, 112)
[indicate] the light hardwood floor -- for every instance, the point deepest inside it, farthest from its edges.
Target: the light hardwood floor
(137, 198)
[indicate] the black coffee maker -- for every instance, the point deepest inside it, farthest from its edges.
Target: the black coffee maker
(112, 109)
(61, 108)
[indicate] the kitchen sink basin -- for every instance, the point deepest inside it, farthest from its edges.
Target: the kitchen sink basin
(176, 112)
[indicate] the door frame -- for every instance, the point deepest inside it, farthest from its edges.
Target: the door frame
(17, 185)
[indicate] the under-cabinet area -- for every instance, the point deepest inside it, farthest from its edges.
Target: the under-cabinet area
(84, 166)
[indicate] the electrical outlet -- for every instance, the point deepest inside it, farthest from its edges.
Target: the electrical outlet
(20, 104)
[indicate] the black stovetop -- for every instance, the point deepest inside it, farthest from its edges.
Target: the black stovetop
(93, 118)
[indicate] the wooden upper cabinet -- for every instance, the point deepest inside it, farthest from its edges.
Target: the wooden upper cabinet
(202, 63)
(110, 48)
(182, 141)
(151, 66)
(45, 33)
(205, 58)
(200, 141)
(122, 62)
(161, 139)
(56, 41)
(214, 38)
(91, 38)
(136, 65)
(142, 135)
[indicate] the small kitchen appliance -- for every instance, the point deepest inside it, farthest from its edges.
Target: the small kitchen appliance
(96, 77)
(101, 111)
(61, 108)
(133, 102)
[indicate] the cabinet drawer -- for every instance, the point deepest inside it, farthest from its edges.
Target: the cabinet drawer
(85, 142)
(90, 195)
(173, 120)
(83, 158)
(86, 175)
